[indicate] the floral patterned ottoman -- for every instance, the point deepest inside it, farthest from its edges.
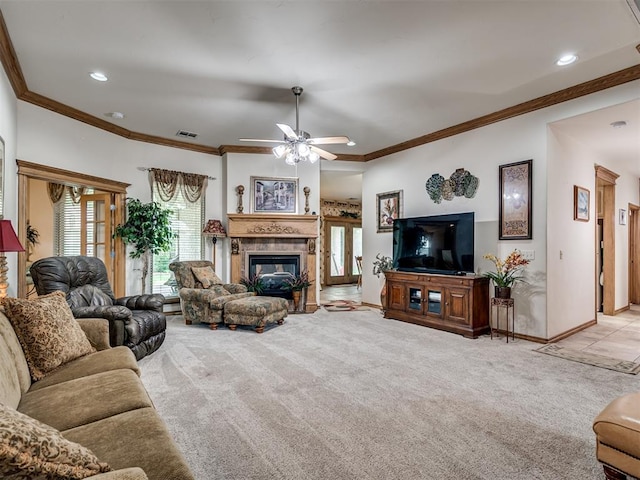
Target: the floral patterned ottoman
(255, 311)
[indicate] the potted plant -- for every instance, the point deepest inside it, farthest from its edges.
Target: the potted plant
(382, 264)
(507, 273)
(296, 285)
(253, 283)
(32, 239)
(147, 230)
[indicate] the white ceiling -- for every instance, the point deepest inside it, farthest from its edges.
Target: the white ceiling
(381, 72)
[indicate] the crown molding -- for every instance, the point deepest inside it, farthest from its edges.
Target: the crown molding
(592, 86)
(12, 67)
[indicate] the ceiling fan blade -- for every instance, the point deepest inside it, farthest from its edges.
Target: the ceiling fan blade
(259, 140)
(288, 131)
(328, 140)
(323, 153)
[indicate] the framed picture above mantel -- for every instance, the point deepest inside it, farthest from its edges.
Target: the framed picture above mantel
(515, 201)
(274, 195)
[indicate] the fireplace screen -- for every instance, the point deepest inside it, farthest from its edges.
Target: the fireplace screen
(274, 270)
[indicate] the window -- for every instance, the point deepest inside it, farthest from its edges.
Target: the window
(187, 220)
(66, 222)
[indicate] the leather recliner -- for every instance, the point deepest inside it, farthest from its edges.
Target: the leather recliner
(135, 321)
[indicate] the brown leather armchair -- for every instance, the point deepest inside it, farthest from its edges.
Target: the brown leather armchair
(135, 321)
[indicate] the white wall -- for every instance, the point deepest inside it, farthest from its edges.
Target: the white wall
(8, 132)
(51, 139)
(241, 167)
(481, 152)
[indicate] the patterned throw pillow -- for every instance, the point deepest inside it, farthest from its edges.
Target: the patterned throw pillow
(31, 450)
(206, 276)
(47, 331)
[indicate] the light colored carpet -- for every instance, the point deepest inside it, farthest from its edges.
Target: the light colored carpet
(321, 397)
(601, 361)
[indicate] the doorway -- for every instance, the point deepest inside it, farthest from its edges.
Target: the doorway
(605, 205)
(116, 191)
(343, 243)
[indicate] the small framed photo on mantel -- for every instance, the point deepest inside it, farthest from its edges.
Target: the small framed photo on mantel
(581, 203)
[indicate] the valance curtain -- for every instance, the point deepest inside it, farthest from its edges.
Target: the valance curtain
(56, 192)
(168, 182)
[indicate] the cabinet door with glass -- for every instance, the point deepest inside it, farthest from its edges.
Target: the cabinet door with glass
(425, 301)
(342, 244)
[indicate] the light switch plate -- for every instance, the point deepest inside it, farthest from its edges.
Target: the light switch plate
(528, 254)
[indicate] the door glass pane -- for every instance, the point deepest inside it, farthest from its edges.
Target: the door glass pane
(99, 208)
(434, 301)
(357, 248)
(337, 251)
(100, 233)
(415, 298)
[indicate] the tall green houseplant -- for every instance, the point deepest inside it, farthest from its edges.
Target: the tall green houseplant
(147, 230)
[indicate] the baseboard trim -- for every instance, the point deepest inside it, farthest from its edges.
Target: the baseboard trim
(620, 310)
(372, 305)
(568, 333)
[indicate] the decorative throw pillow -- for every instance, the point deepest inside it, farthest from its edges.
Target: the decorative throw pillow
(47, 331)
(206, 276)
(30, 450)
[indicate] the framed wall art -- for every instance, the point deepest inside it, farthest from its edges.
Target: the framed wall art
(622, 216)
(515, 201)
(581, 203)
(274, 195)
(388, 208)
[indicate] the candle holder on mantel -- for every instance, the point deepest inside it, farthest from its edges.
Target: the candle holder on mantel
(306, 191)
(215, 230)
(240, 191)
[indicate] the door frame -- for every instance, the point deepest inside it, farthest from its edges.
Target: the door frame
(350, 276)
(606, 179)
(634, 254)
(28, 170)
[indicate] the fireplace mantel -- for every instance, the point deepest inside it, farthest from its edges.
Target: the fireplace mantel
(276, 233)
(259, 225)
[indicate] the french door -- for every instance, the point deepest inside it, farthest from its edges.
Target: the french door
(342, 244)
(96, 229)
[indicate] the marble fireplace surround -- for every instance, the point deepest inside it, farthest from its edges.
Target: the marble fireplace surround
(277, 234)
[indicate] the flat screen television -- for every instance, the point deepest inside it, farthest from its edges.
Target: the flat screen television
(434, 244)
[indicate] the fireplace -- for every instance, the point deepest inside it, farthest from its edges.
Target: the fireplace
(274, 269)
(277, 246)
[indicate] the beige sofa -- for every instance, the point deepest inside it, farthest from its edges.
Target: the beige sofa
(97, 401)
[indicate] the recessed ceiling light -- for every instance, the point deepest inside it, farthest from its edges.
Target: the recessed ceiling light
(99, 76)
(566, 59)
(351, 143)
(115, 115)
(619, 124)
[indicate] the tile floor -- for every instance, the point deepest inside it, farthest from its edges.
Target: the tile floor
(617, 337)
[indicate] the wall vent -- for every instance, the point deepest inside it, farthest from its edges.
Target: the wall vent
(186, 134)
(634, 5)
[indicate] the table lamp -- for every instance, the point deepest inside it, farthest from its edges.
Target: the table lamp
(8, 243)
(215, 230)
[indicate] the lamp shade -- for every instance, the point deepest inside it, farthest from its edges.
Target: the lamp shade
(8, 239)
(214, 228)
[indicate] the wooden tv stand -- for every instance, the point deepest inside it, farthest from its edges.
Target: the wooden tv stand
(458, 304)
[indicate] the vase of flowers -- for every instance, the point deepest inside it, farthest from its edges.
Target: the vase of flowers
(380, 266)
(296, 285)
(507, 273)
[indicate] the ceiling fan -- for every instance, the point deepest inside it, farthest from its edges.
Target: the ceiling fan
(297, 144)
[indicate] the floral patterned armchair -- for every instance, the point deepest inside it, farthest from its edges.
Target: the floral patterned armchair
(202, 293)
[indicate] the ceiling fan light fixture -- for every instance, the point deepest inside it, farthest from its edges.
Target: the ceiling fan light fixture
(303, 149)
(313, 157)
(279, 151)
(291, 159)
